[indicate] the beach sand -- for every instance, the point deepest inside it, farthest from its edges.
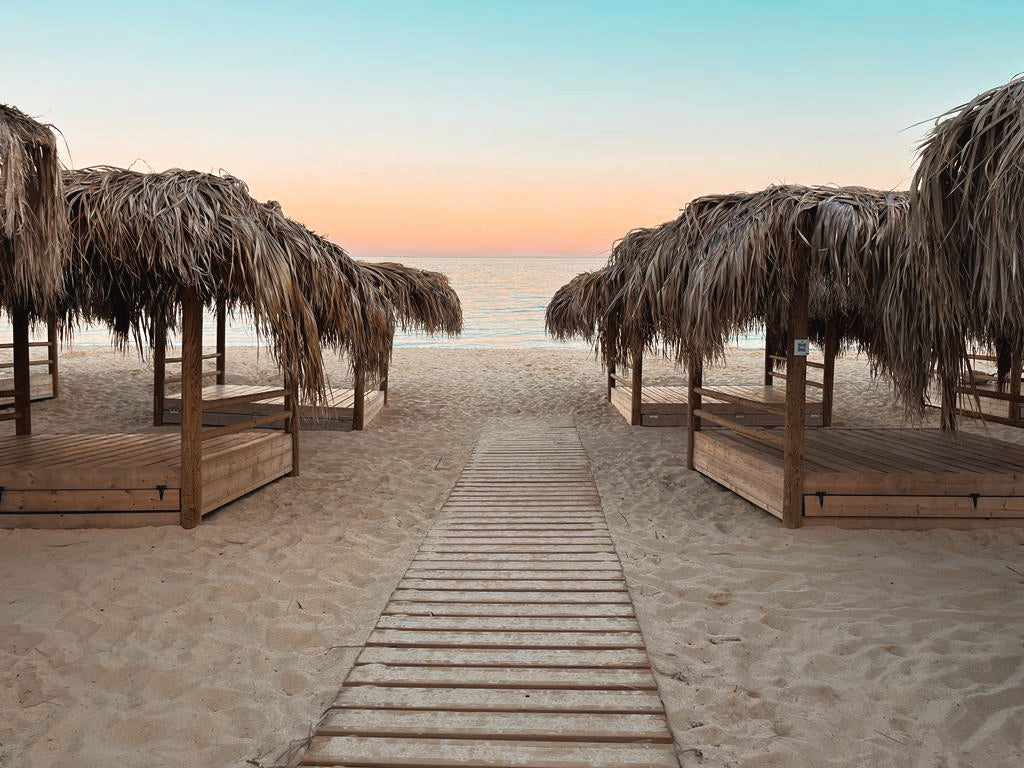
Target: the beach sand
(221, 646)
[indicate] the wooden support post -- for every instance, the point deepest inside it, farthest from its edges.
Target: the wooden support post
(22, 377)
(291, 404)
(796, 398)
(829, 380)
(694, 380)
(1016, 363)
(52, 347)
(769, 350)
(637, 384)
(159, 369)
(191, 409)
(611, 380)
(222, 363)
(358, 395)
(384, 384)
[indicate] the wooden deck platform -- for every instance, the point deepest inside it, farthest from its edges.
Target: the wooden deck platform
(126, 480)
(667, 406)
(336, 415)
(874, 478)
(40, 384)
(511, 640)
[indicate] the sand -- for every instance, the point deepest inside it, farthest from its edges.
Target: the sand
(221, 646)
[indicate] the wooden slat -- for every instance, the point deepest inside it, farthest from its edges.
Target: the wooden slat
(498, 700)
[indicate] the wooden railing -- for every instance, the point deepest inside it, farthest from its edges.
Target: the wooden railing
(50, 361)
(1012, 396)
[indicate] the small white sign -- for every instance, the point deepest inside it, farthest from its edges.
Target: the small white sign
(801, 347)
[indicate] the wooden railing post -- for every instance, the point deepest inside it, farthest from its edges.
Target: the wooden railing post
(358, 395)
(637, 384)
(694, 380)
(159, 369)
(769, 350)
(191, 409)
(22, 376)
(796, 398)
(222, 363)
(291, 404)
(611, 380)
(384, 384)
(1015, 373)
(829, 375)
(51, 351)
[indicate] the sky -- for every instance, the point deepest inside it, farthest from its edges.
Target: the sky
(528, 128)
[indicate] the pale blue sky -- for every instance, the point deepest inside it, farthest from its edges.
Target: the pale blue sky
(511, 127)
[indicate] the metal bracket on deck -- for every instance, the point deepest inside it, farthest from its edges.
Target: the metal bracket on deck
(160, 489)
(974, 498)
(821, 499)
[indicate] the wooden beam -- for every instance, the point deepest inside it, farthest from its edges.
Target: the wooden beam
(191, 408)
(384, 383)
(22, 377)
(358, 395)
(796, 401)
(769, 360)
(159, 369)
(291, 404)
(221, 336)
(52, 349)
(1015, 373)
(829, 377)
(611, 380)
(694, 382)
(637, 385)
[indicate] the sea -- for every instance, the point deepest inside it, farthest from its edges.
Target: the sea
(503, 302)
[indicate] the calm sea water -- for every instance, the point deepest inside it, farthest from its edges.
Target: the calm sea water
(503, 301)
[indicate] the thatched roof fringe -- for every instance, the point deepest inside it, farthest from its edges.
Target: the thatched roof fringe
(34, 234)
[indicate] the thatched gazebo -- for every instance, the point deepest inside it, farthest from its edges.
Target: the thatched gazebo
(150, 247)
(415, 300)
(804, 260)
(966, 278)
(34, 241)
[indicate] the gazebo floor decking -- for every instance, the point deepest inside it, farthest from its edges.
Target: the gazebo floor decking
(667, 406)
(337, 414)
(511, 639)
(901, 478)
(126, 480)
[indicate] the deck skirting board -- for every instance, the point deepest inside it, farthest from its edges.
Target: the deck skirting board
(913, 478)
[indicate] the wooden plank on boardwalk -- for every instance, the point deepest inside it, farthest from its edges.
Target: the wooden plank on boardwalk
(425, 608)
(490, 585)
(417, 572)
(516, 565)
(523, 557)
(341, 752)
(504, 624)
(498, 700)
(518, 549)
(431, 638)
(503, 726)
(580, 679)
(519, 657)
(507, 596)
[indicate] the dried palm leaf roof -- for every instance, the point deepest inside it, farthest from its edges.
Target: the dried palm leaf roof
(34, 233)
(747, 250)
(419, 299)
(345, 300)
(967, 226)
(139, 240)
(578, 310)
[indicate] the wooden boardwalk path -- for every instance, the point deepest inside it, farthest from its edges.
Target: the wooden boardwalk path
(511, 640)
